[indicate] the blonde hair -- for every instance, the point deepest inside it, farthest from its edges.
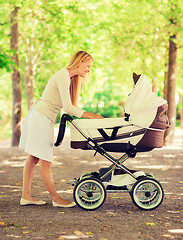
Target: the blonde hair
(75, 86)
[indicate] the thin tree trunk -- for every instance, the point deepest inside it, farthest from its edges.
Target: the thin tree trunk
(29, 85)
(155, 86)
(181, 110)
(16, 82)
(32, 55)
(166, 82)
(171, 90)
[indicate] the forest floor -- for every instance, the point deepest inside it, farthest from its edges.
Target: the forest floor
(117, 218)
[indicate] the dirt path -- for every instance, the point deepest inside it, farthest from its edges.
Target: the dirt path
(117, 219)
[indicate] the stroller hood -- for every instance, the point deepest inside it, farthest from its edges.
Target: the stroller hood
(142, 103)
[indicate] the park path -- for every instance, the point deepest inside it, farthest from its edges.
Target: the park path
(117, 219)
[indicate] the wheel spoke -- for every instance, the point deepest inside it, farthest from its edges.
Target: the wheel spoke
(147, 193)
(89, 193)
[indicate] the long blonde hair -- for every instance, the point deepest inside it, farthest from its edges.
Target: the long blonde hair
(75, 86)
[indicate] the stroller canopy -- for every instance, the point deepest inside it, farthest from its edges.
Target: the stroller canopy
(142, 104)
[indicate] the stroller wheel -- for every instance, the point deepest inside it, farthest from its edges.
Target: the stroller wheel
(147, 193)
(89, 193)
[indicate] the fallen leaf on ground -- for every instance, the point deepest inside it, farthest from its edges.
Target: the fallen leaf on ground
(106, 229)
(150, 224)
(89, 233)
(130, 212)
(77, 232)
(14, 225)
(3, 196)
(19, 184)
(116, 197)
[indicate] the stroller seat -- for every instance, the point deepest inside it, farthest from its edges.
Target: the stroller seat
(121, 138)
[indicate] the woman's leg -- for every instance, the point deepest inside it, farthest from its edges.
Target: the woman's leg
(45, 169)
(28, 172)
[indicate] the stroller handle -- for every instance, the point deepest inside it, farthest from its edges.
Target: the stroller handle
(61, 132)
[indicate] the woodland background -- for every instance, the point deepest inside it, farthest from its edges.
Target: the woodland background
(38, 37)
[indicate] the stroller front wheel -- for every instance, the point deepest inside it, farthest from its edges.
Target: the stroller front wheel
(89, 193)
(147, 193)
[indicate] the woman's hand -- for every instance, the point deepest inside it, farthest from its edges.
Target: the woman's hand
(91, 115)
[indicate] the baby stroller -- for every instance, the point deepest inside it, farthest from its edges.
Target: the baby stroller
(141, 130)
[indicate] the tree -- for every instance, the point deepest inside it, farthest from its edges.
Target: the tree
(16, 82)
(122, 37)
(172, 72)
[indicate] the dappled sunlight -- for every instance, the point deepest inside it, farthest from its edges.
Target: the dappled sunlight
(77, 235)
(17, 164)
(18, 157)
(95, 162)
(174, 195)
(161, 167)
(9, 186)
(11, 164)
(16, 188)
(176, 231)
(14, 161)
(169, 155)
(136, 161)
(57, 163)
(4, 162)
(13, 236)
(81, 236)
(142, 155)
(60, 191)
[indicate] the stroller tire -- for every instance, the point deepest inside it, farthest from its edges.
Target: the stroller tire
(147, 193)
(89, 193)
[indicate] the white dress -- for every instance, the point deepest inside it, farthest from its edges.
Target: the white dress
(38, 136)
(38, 130)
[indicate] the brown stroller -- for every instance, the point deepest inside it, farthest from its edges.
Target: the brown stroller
(129, 135)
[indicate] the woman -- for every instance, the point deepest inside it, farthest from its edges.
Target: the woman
(62, 91)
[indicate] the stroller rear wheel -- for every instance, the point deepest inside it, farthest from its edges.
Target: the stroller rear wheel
(147, 193)
(89, 193)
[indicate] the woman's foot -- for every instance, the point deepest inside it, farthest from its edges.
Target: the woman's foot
(31, 201)
(72, 204)
(60, 202)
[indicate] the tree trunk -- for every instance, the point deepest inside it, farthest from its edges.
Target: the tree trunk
(169, 134)
(16, 82)
(181, 110)
(31, 58)
(155, 86)
(29, 86)
(166, 82)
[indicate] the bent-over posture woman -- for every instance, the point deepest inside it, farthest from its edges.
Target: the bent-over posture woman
(61, 92)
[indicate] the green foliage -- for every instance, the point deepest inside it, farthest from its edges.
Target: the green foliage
(122, 36)
(106, 101)
(5, 62)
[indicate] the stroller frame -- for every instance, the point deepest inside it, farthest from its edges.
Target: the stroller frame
(90, 190)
